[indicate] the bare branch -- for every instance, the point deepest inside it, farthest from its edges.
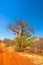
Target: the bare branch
(12, 28)
(31, 29)
(20, 27)
(22, 24)
(16, 27)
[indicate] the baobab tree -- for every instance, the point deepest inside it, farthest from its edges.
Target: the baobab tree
(21, 29)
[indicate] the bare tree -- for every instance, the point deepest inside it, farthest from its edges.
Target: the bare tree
(21, 29)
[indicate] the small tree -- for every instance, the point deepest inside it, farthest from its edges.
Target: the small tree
(21, 29)
(28, 40)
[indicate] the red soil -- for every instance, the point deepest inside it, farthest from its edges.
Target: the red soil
(12, 58)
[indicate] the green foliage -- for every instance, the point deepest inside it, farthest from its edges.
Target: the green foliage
(26, 41)
(33, 38)
(7, 45)
(18, 45)
(26, 36)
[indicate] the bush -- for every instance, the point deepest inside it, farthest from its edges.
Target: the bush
(7, 45)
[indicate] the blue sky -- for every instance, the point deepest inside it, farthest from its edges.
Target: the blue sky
(30, 11)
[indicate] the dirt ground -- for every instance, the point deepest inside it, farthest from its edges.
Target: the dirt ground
(10, 57)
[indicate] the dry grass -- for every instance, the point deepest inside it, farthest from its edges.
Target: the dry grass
(38, 60)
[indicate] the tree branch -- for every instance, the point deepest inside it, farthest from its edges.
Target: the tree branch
(29, 29)
(13, 28)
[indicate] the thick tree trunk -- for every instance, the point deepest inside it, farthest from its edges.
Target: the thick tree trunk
(20, 39)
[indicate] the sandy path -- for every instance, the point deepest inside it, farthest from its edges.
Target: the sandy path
(8, 57)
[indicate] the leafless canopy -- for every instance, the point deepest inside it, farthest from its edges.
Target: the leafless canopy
(20, 25)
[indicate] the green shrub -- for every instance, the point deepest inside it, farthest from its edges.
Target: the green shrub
(7, 45)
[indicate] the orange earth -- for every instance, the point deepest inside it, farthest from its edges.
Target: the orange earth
(12, 58)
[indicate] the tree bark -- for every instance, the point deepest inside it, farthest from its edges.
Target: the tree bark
(20, 39)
